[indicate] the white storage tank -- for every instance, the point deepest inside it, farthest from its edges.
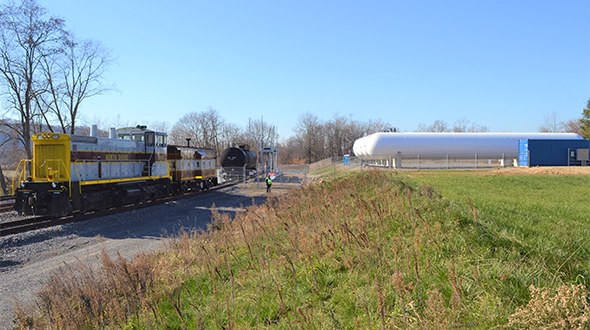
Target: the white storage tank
(440, 145)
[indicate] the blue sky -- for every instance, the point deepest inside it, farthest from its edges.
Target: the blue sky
(503, 64)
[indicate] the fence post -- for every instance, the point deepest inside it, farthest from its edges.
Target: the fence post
(447, 161)
(476, 161)
(244, 173)
(418, 162)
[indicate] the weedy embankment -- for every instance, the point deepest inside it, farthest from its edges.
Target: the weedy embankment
(367, 251)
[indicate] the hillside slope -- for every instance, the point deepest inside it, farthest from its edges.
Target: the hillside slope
(372, 250)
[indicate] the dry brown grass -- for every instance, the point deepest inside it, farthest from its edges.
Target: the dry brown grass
(566, 307)
(82, 297)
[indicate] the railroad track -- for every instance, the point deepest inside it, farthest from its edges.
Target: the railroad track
(21, 226)
(6, 203)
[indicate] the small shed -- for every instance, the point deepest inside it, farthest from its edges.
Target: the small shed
(553, 152)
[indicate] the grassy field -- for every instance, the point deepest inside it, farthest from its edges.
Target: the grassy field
(545, 214)
(370, 250)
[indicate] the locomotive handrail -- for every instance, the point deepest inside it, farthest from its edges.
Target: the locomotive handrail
(78, 174)
(67, 171)
(22, 174)
(59, 161)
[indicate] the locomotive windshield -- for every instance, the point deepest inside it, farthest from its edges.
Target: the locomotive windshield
(135, 136)
(160, 140)
(149, 139)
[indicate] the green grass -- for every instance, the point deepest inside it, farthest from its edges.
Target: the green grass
(543, 213)
(370, 250)
(327, 171)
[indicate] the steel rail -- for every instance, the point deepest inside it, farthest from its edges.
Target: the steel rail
(6, 203)
(25, 225)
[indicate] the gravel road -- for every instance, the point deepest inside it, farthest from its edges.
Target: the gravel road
(28, 259)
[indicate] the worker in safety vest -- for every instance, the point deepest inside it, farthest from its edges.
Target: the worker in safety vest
(268, 183)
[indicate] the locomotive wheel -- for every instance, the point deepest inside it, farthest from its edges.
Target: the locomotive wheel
(68, 210)
(84, 205)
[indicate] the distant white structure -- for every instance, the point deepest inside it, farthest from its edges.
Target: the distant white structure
(450, 145)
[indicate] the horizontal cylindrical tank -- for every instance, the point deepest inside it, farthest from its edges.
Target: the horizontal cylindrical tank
(440, 145)
(237, 157)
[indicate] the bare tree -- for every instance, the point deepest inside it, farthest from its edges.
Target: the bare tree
(187, 127)
(341, 132)
(203, 128)
(573, 126)
(335, 131)
(261, 131)
(232, 135)
(213, 126)
(26, 38)
(461, 125)
(552, 124)
(309, 134)
(290, 151)
(86, 123)
(464, 125)
(118, 122)
(5, 138)
(160, 125)
(73, 76)
(437, 126)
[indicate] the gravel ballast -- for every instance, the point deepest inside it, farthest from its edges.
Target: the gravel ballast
(29, 258)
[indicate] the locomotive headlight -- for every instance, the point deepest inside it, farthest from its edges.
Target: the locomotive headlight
(55, 136)
(54, 185)
(22, 184)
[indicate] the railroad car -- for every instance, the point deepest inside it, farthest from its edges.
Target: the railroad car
(239, 157)
(192, 168)
(82, 173)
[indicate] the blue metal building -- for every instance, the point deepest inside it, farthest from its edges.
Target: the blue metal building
(553, 152)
